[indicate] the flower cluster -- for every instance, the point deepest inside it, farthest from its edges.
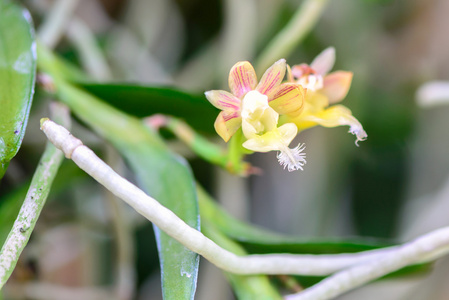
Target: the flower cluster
(271, 113)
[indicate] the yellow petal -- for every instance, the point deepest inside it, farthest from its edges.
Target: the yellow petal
(288, 132)
(272, 77)
(336, 85)
(223, 100)
(227, 123)
(261, 143)
(334, 116)
(288, 99)
(277, 139)
(242, 78)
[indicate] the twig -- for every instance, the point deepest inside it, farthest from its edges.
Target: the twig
(33, 203)
(194, 240)
(295, 31)
(54, 25)
(90, 53)
(125, 276)
(432, 245)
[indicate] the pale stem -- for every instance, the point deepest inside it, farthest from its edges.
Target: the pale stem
(125, 273)
(292, 34)
(238, 40)
(90, 53)
(34, 201)
(194, 240)
(56, 22)
(431, 245)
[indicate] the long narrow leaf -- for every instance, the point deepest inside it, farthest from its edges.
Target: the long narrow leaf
(163, 175)
(142, 101)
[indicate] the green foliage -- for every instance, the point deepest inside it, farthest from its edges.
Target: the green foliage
(17, 73)
(143, 101)
(158, 171)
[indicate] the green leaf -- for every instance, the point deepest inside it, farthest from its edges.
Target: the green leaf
(142, 101)
(256, 240)
(162, 174)
(17, 73)
(245, 287)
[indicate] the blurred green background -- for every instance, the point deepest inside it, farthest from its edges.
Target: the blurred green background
(394, 186)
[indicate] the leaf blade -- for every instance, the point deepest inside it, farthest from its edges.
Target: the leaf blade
(158, 171)
(142, 101)
(17, 73)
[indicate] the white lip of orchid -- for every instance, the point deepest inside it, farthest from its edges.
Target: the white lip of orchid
(292, 159)
(257, 116)
(312, 82)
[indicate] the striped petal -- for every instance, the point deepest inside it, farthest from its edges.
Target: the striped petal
(290, 77)
(336, 85)
(242, 78)
(272, 77)
(324, 62)
(223, 100)
(288, 99)
(227, 123)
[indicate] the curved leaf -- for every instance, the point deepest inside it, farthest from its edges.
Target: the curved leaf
(245, 286)
(162, 174)
(17, 75)
(256, 240)
(142, 101)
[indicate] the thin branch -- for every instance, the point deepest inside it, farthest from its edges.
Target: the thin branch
(285, 41)
(90, 53)
(432, 245)
(33, 203)
(56, 22)
(194, 240)
(125, 277)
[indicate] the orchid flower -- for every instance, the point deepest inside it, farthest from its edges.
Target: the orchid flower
(256, 107)
(324, 89)
(259, 125)
(286, 98)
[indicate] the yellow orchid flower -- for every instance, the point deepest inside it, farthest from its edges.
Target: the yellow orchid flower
(324, 89)
(286, 98)
(259, 126)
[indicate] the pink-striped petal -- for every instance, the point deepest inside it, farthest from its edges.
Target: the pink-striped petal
(290, 77)
(324, 62)
(242, 78)
(223, 100)
(288, 99)
(227, 123)
(272, 77)
(336, 85)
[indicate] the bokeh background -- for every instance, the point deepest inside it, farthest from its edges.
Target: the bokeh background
(395, 186)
